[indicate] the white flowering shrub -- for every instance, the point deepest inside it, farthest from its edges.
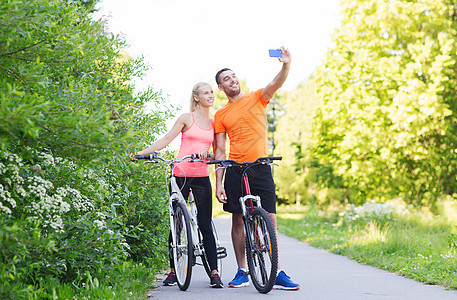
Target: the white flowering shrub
(10, 165)
(41, 200)
(373, 210)
(77, 218)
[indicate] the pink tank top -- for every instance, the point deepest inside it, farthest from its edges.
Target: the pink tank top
(193, 140)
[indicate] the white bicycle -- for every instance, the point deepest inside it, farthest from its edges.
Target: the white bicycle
(187, 240)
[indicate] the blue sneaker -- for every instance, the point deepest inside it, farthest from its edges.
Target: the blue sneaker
(283, 282)
(241, 279)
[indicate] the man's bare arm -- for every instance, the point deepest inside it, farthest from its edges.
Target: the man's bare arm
(220, 154)
(270, 90)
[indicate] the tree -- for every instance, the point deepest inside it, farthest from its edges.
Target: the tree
(388, 86)
(292, 139)
(61, 88)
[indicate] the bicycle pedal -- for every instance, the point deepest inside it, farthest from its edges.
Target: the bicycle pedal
(221, 252)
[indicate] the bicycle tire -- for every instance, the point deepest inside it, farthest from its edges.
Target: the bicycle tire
(183, 250)
(205, 261)
(261, 250)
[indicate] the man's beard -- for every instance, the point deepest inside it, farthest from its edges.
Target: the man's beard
(233, 92)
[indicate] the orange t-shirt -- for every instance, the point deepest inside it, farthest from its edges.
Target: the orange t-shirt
(245, 122)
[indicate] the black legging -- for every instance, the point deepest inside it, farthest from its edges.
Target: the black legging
(201, 189)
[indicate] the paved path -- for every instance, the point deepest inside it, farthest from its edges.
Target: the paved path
(321, 275)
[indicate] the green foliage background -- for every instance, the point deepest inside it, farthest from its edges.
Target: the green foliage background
(72, 208)
(383, 124)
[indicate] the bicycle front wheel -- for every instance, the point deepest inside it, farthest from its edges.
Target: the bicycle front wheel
(182, 250)
(261, 250)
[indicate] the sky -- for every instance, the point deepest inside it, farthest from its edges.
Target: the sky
(186, 42)
(189, 41)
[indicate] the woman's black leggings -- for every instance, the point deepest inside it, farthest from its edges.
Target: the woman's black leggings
(201, 189)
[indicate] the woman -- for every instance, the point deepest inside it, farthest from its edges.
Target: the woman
(197, 136)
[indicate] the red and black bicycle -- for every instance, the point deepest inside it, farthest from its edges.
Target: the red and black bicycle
(261, 241)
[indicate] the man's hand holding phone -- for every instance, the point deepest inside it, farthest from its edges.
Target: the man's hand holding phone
(282, 54)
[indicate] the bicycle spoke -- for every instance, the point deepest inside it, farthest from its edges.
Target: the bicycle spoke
(259, 251)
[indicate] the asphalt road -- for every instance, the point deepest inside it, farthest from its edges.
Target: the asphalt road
(321, 275)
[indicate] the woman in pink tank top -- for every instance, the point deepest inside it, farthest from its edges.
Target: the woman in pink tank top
(197, 136)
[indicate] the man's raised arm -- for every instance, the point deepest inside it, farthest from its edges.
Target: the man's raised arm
(269, 91)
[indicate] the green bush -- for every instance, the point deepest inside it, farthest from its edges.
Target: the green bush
(73, 210)
(84, 221)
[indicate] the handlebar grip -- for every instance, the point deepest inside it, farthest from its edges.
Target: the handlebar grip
(148, 156)
(275, 157)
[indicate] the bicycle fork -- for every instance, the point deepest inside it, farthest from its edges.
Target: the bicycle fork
(174, 242)
(250, 199)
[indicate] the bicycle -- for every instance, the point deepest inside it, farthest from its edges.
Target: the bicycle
(187, 241)
(261, 242)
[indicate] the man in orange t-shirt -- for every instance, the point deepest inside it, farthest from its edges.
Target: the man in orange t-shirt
(244, 120)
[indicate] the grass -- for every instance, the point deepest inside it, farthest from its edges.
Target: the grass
(128, 281)
(410, 243)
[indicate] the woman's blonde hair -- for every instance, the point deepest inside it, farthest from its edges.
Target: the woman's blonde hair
(195, 90)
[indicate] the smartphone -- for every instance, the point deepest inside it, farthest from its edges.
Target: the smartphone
(275, 52)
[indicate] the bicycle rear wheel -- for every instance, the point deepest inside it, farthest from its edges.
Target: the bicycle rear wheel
(261, 250)
(221, 253)
(182, 250)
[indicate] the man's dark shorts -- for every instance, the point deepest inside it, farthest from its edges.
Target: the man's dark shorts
(260, 181)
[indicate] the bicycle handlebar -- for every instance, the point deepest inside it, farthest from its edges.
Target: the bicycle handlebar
(226, 163)
(154, 157)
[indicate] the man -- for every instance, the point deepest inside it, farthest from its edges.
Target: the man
(244, 120)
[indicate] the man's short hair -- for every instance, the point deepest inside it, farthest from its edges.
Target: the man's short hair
(219, 73)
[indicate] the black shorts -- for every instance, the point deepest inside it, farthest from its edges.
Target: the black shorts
(261, 184)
